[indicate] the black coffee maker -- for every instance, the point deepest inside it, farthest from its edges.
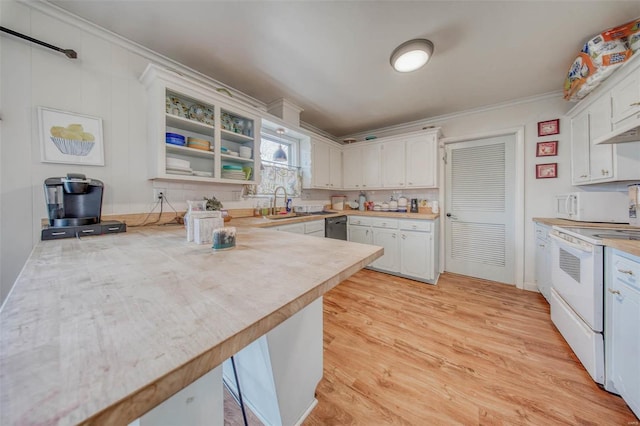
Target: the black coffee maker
(73, 200)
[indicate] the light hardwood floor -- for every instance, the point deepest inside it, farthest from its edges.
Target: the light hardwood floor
(466, 351)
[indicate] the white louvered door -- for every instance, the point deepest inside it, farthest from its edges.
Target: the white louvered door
(479, 211)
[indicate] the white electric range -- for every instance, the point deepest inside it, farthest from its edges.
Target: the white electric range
(577, 290)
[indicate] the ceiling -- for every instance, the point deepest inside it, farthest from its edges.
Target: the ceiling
(332, 57)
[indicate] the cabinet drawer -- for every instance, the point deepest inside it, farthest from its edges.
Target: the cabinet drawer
(360, 220)
(57, 233)
(626, 271)
(89, 230)
(416, 225)
(542, 231)
(314, 226)
(112, 228)
(383, 222)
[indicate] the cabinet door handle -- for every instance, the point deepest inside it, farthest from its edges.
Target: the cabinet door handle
(626, 271)
(88, 231)
(393, 235)
(58, 233)
(584, 176)
(635, 104)
(401, 184)
(410, 183)
(613, 291)
(404, 237)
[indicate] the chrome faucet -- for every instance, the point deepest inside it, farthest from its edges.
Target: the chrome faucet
(275, 199)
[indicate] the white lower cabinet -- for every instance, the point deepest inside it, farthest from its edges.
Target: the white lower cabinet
(543, 260)
(622, 338)
(410, 246)
(360, 234)
(416, 254)
(295, 228)
(387, 239)
(314, 228)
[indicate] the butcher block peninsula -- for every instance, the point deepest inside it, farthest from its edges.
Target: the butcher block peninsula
(101, 330)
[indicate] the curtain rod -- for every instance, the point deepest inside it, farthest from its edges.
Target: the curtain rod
(68, 52)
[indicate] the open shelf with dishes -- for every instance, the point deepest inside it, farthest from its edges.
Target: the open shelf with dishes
(198, 134)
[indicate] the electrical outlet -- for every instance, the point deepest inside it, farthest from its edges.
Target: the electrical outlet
(157, 192)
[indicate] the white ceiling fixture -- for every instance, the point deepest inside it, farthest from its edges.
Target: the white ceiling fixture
(412, 55)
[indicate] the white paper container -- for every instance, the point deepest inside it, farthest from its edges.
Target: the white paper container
(203, 228)
(190, 217)
(634, 205)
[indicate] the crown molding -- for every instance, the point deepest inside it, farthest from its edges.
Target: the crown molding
(437, 120)
(56, 12)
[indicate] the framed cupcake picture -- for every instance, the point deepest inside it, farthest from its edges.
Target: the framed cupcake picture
(70, 138)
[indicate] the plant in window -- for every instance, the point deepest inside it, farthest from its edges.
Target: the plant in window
(213, 203)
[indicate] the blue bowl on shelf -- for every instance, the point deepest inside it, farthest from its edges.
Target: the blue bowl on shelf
(175, 139)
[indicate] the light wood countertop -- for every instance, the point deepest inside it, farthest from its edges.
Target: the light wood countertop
(267, 223)
(99, 330)
(628, 246)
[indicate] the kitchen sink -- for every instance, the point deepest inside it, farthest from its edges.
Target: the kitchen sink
(282, 216)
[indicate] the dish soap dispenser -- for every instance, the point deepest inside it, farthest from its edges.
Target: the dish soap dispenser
(362, 199)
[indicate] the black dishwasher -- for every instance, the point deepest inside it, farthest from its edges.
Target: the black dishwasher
(336, 228)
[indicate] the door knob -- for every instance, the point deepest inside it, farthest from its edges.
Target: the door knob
(451, 216)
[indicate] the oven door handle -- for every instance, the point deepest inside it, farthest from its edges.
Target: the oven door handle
(572, 245)
(567, 205)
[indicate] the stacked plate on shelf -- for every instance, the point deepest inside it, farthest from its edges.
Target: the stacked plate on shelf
(230, 171)
(176, 166)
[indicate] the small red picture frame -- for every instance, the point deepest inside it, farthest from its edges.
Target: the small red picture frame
(547, 149)
(546, 171)
(550, 127)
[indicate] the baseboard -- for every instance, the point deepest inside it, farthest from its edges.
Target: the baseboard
(531, 287)
(307, 412)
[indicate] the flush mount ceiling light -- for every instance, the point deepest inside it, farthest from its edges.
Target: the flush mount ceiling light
(411, 55)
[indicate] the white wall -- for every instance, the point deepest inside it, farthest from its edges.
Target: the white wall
(538, 192)
(102, 82)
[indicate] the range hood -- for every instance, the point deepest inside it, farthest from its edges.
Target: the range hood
(623, 134)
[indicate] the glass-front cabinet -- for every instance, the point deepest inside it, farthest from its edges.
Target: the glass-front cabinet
(198, 134)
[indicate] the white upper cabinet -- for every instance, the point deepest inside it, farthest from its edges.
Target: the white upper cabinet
(219, 138)
(600, 156)
(622, 89)
(361, 167)
(625, 98)
(411, 162)
(393, 164)
(371, 158)
(335, 167)
(594, 158)
(352, 168)
(580, 149)
(422, 161)
(397, 162)
(326, 164)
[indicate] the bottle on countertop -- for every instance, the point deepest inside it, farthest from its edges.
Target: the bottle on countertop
(289, 205)
(362, 200)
